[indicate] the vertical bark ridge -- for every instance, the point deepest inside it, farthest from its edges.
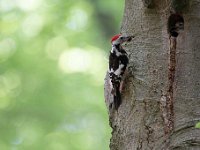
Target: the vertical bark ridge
(171, 75)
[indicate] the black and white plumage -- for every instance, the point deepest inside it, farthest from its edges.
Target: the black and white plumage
(118, 61)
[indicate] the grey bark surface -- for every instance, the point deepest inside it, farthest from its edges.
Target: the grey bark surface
(144, 120)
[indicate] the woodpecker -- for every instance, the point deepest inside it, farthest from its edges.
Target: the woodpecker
(118, 61)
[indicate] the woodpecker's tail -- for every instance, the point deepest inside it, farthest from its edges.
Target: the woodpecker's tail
(117, 96)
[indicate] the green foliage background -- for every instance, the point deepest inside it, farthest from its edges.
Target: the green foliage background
(53, 59)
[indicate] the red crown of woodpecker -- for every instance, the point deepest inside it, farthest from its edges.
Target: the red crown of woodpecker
(115, 37)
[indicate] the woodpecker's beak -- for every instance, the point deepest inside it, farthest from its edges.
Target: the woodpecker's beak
(130, 38)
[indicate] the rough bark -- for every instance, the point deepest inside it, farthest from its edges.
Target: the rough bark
(161, 100)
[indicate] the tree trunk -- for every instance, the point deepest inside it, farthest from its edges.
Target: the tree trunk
(161, 99)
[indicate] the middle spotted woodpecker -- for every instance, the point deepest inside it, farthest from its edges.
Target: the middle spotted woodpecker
(118, 61)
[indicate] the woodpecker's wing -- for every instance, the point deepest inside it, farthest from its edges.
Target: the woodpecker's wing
(113, 62)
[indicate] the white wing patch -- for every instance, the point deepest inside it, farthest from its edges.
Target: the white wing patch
(116, 51)
(118, 71)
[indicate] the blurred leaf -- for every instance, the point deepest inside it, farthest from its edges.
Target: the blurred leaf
(53, 59)
(197, 125)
